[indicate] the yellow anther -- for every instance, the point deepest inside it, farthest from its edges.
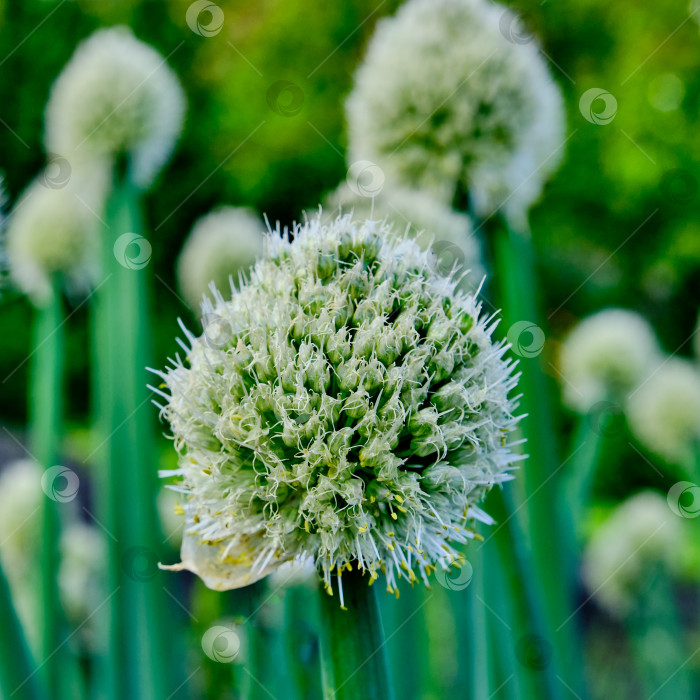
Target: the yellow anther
(398, 498)
(394, 516)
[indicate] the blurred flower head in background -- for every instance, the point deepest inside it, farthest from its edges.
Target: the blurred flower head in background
(432, 224)
(664, 411)
(222, 243)
(53, 231)
(639, 535)
(444, 101)
(21, 500)
(80, 577)
(605, 356)
(351, 406)
(116, 96)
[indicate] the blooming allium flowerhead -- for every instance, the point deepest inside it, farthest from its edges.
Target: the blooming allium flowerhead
(664, 411)
(83, 555)
(346, 404)
(53, 231)
(443, 100)
(222, 244)
(116, 96)
(20, 498)
(605, 356)
(640, 534)
(433, 224)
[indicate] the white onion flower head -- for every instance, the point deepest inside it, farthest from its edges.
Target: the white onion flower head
(21, 501)
(664, 412)
(640, 535)
(444, 101)
(83, 559)
(431, 223)
(222, 243)
(21, 498)
(116, 96)
(54, 232)
(350, 406)
(605, 356)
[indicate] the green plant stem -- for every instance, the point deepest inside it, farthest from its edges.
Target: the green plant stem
(576, 488)
(403, 623)
(352, 643)
(517, 282)
(19, 677)
(46, 410)
(656, 640)
(138, 627)
(577, 480)
(302, 643)
(514, 566)
(480, 661)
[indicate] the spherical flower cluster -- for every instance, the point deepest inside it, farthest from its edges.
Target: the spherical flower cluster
(348, 404)
(445, 101)
(83, 556)
(116, 96)
(54, 231)
(432, 224)
(664, 412)
(605, 356)
(20, 532)
(639, 535)
(222, 244)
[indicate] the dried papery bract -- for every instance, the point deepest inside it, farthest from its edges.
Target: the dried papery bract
(222, 243)
(445, 101)
(348, 405)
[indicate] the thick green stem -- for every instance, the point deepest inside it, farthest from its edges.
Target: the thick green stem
(513, 564)
(517, 282)
(19, 678)
(577, 480)
(46, 410)
(353, 652)
(656, 639)
(138, 653)
(302, 643)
